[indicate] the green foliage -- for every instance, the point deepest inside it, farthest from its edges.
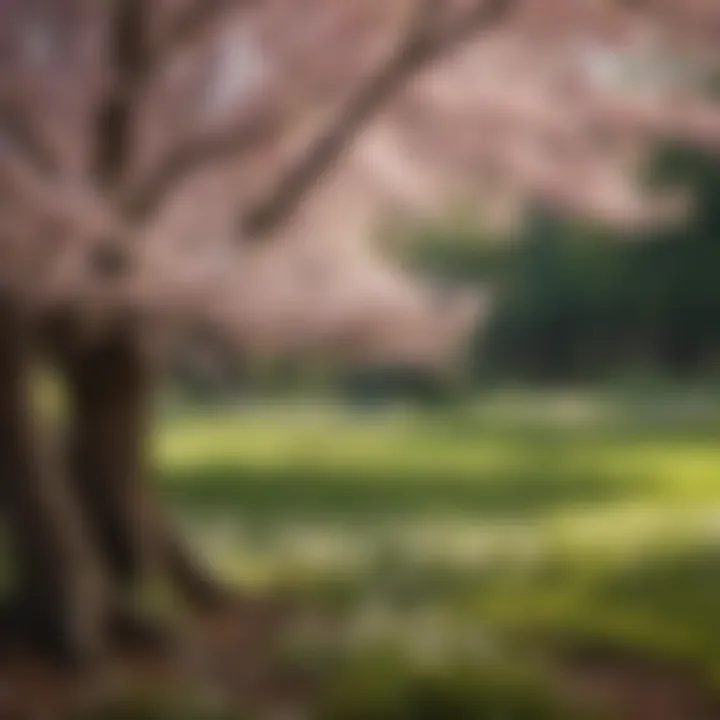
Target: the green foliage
(388, 687)
(458, 254)
(558, 304)
(375, 387)
(576, 302)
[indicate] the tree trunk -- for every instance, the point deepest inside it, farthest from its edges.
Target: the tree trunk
(81, 541)
(60, 592)
(111, 404)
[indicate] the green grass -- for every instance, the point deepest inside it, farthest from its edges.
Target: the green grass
(558, 517)
(335, 466)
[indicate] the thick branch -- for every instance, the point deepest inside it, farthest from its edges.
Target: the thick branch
(29, 166)
(131, 59)
(49, 196)
(422, 45)
(191, 25)
(482, 16)
(18, 138)
(145, 197)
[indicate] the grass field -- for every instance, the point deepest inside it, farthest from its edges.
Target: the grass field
(530, 520)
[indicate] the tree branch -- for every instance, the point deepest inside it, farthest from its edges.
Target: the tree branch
(477, 18)
(32, 171)
(140, 200)
(18, 136)
(193, 23)
(131, 60)
(423, 43)
(144, 198)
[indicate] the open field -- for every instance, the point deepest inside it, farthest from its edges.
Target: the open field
(565, 523)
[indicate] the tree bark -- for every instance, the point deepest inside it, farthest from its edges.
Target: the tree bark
(60, 593)
(109, 419)
(111, 392)
(84, 527)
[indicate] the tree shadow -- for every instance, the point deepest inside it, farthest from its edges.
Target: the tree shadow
(366, 496)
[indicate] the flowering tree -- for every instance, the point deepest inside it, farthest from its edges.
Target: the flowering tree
(146, 146)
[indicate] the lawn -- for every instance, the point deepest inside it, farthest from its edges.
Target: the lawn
(524, 522)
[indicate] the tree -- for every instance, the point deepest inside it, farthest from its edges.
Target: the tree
(142, 144)
(114, 115)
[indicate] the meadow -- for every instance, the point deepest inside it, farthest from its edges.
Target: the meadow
(545, 531)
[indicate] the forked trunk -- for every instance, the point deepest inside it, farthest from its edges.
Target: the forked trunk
(59, 585)
(110, 390)
(83, 526)
(109, 395)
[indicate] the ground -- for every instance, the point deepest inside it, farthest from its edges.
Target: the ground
(525, 550)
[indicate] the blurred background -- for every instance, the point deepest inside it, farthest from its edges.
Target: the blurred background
(533, 519)
(467, 418)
